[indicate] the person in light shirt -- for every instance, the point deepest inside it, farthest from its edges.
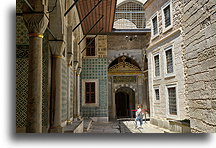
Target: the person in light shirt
(139, 116)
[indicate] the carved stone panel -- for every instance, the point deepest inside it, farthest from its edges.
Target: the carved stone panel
(124, 79)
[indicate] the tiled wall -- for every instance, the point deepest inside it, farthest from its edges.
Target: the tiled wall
(71, 92)
(96, 68)
(64, 90)
(22, 46)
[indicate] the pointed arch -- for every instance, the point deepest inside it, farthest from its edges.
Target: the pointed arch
(128, 61)
(56, 16)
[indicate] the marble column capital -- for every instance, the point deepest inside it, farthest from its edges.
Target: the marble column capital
(36, 22)
(57, 47)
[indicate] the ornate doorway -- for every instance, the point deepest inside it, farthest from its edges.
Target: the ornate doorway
(124, 102)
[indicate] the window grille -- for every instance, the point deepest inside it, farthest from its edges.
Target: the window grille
(157, 94)
(90, 92)
(90, 50)
(169, 61)
(157, 65)
(129, 16)
(172, 101)
(167, 16)
(155, 25)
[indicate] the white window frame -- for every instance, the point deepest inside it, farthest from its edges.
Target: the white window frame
(96, 104)
(154, 101)
(152, 31)
(167, 75)
(157, 87)
(168, 115)
(165, 29)
(153, 60)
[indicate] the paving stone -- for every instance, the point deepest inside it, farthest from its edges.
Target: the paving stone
(123, 127)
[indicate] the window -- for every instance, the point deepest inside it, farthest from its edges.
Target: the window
(157, 94)
(172, 100)
(169, 61)
(167, 16)
(157, 65)
(90, 50)
(155, 25)
(129, 15)
(90, 92)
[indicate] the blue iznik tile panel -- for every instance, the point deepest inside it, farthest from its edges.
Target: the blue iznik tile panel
(96, 68)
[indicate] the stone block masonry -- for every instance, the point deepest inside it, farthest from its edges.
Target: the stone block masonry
(199, 37)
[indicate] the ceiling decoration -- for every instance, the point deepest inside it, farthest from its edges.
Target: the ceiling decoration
(100, 18)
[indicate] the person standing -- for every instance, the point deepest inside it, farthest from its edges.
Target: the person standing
(139, 116)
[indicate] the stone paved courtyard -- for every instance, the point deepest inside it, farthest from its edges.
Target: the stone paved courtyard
(123, 127)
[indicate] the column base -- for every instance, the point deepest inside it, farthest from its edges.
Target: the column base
(58, 129)
(77, 118)
(69, 122)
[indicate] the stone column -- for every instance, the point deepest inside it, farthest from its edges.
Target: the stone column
(57, 48)
(78, 92)
(113, 104)
(36, 24)
(69, 59)
(110, 96)
(75, 95)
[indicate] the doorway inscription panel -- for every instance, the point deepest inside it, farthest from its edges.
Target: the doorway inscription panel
(124, 79)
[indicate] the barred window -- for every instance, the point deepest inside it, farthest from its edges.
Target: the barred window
(157, 94)
(90, 92)
(157, 65)
(169, 61)
(155, 25)
(167, 16)
(129, 15)
(172, 101)
(90, 50)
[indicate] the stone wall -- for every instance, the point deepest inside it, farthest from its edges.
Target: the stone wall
(101, 46)
(155, 6)
(159, 109)
(199, 62)
(120, 42)
(119, 45)
(157, 44)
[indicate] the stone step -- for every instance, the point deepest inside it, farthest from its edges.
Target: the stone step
(168, 131)
(87, 124)
(75, 127)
